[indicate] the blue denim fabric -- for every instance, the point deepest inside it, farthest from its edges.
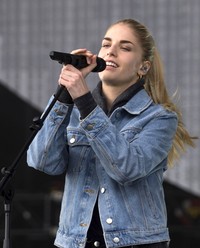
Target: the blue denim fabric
(154, 245)
(120, 160)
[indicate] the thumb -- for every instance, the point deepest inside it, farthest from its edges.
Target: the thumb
(92, 63)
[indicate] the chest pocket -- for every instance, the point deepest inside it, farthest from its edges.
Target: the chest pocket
(131, 134)
(79, 150)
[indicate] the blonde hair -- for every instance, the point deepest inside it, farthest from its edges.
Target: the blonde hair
(155, 86)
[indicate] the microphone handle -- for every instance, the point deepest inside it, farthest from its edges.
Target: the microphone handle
(78, 61)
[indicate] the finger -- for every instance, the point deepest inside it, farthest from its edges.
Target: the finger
(79, 51)
(82, 51)
(69, 67)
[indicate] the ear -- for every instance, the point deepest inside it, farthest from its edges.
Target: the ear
(144, 68)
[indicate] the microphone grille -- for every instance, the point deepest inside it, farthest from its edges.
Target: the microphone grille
(101, 65)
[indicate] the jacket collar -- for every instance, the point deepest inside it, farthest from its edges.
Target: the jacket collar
(138, 103)
(134, 100)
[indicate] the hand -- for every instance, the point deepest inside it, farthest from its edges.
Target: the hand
(74, 79)
(91, 60)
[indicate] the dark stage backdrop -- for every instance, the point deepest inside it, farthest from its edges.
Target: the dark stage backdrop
(36, 201)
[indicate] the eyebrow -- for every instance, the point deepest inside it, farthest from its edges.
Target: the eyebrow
(121, 41)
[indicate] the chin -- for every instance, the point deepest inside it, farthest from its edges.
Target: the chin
(109, 79)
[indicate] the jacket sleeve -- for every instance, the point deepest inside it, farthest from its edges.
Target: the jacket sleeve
(46, 152)
(130, 153)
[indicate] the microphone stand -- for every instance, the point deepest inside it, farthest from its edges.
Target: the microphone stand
(5, 186)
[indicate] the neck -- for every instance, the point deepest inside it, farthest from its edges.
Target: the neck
(111, 92)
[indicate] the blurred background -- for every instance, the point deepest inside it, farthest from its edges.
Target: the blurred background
(29, 30)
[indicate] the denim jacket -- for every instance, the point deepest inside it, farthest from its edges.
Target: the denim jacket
(119, 160)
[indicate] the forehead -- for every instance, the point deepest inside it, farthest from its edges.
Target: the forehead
(121, 32)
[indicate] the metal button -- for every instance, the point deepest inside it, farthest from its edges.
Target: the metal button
(83, 224)
(116, 240)
(58, 112)
(72, 140)
(90, 127)
(96, 243)
(103, 190)
(109, 221)
(117, 115)
(89, 191)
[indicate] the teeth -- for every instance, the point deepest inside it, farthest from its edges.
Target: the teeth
(111, 64)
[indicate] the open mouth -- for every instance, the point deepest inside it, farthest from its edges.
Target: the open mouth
(112, 64)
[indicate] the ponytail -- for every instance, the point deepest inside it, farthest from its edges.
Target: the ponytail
(155, 87)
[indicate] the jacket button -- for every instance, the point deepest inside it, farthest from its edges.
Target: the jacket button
(109, 221)
(116, 240)
(90, 127)
(103, 190)
(96, 243)
(117, 115)
(72, 140)
(58, 112)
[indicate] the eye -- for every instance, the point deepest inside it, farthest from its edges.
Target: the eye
(106, 45)
(126, 49)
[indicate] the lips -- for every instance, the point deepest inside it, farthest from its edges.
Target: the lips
(112, 64)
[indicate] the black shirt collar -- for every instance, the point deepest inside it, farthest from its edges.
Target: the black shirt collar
(121, 100)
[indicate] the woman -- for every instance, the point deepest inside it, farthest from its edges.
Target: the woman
(115, 147)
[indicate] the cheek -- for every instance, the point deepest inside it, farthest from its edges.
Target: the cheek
(131, 69)
(131, 72)
(101, 54)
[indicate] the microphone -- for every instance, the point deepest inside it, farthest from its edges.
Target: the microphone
(78, 61)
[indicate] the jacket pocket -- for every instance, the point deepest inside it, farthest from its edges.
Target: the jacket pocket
(79, 150)
(131, 133)
(150, 203)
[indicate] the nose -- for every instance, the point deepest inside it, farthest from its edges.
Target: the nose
(112, 51)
